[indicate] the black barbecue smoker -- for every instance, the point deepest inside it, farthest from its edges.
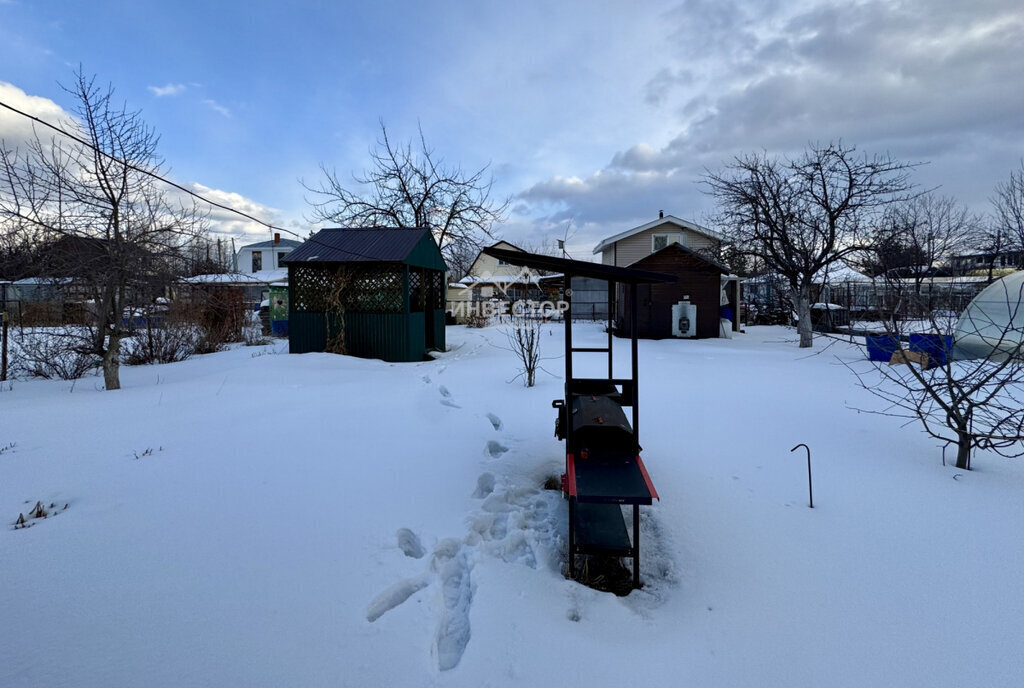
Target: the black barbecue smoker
(603, 468)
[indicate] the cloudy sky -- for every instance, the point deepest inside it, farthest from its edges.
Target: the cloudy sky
(598, 112)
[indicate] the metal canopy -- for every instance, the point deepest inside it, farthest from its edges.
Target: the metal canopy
(578, 268)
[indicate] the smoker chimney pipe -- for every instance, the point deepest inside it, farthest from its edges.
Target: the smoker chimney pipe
(661, 214)
(277, 237)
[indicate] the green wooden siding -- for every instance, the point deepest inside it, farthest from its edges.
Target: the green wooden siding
(371, 335)
(439, 332)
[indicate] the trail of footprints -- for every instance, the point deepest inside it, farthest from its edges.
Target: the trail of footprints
(511, 524)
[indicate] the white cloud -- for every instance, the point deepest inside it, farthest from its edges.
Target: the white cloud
(15, 129)
(230, 225)
(925, 80)
(217, 107)
(168, 90)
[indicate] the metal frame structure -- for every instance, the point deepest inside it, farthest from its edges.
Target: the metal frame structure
(602, 449)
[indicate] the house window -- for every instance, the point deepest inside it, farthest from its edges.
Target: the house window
(257, 261)
(280, 259)
(660, 241)
(503, 263)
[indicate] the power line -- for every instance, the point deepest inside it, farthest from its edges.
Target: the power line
(160, 178)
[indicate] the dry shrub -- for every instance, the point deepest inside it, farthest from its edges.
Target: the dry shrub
(477, 320)
(53, 353)
(176, 341)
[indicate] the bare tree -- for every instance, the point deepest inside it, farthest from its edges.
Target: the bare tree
(799, 216)
(975, 403)
(1005, 234)
(913, 243)
(523, 333)
(92, 197)
(413, 187)
(917, 236)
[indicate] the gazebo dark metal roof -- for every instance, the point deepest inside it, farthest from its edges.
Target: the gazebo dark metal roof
(345, 245)
(376, 292)
(579, 268)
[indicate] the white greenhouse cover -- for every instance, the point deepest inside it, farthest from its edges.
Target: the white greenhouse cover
(993, 322)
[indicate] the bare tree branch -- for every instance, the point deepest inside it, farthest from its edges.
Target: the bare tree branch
(407, 187)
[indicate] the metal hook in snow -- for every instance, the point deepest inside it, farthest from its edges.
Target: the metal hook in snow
(810, 490)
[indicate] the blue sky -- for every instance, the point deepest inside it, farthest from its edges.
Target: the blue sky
(603, 112)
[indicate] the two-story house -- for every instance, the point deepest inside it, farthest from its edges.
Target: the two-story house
(637, 243)
(265, 255)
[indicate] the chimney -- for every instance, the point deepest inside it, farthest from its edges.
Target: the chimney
(661, 214)
(277, 237)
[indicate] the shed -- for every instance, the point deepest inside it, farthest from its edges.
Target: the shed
(699, 281)
(375, 292)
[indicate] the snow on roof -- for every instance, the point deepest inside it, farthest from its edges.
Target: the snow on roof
(841, 272)
(498, 279)
(261, 277)
(34, 281)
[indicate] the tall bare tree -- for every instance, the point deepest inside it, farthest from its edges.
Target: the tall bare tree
(799, 216)
(915, 240)
(1005, 233)
(409, 186)
(92, 198)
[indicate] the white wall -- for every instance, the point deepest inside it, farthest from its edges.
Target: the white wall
(271, 258)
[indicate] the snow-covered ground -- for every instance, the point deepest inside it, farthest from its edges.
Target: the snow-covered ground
(254, 518)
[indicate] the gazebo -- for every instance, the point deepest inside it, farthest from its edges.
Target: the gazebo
(376, 293)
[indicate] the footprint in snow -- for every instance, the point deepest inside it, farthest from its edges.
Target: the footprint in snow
(395, 595)
(410, 544)
(495, 421)
(446, 397)
(484, 486)
(426, 379)
(452, 635)
(496, 448)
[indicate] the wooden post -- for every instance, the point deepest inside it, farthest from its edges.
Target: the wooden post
(634, 324)
(3, 332)
(611, 308)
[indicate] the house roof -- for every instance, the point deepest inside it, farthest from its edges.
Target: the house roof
(578, 268)
(283, 243)
(495, 245)
(669, 219)
(679, 248)
(414, 245)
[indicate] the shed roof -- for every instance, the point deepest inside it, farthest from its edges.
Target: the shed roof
(415, 246)
(578, 268)
(679, 248)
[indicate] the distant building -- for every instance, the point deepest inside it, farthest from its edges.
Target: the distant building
(491, 279)
(635, 244)
(978, 263)
(265, 255)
